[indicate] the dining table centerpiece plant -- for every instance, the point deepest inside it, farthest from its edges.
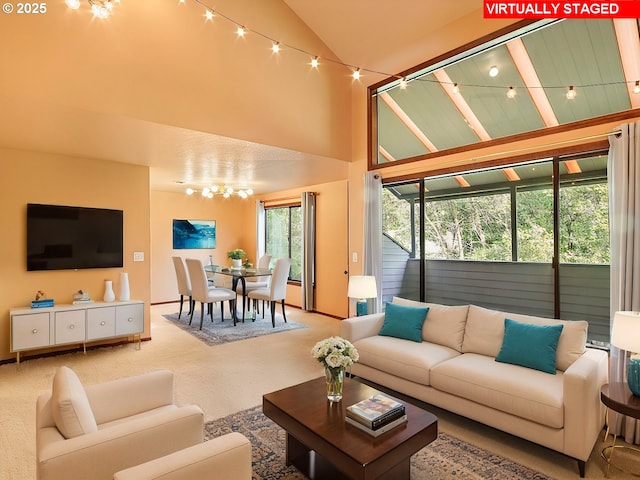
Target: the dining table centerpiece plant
(236, 255)
(335, 354)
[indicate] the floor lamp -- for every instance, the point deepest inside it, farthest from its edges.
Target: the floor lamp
(362, 287)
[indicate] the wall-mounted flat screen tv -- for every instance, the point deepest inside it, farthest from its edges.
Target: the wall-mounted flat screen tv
(65, 238)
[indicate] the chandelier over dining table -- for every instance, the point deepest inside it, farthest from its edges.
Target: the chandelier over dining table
(225, 190)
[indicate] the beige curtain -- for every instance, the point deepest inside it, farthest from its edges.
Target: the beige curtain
(624, 224)
(372, 263)
(308, 204)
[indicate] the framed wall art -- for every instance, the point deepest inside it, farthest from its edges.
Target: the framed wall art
(194, 234)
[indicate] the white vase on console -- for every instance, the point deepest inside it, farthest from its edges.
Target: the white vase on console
(236, 263)
(125, 294)
(109, 296)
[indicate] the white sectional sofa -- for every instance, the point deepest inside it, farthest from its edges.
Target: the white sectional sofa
(454, 367)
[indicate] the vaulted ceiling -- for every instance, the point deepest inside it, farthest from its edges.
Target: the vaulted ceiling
(78, 86)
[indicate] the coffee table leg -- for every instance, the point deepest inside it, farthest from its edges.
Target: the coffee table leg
(295, 449)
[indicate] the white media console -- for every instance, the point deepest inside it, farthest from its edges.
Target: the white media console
(33, 328)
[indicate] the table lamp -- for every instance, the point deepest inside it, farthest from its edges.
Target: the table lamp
(625, 335)
(362, 287)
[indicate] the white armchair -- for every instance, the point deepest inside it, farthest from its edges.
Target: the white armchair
(96, 431)
(224, 457)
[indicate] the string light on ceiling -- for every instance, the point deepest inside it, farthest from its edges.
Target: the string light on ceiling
(224, 190)
(99, 8)
(103, 9)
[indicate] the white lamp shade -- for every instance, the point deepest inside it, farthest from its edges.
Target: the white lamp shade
(625, 333)
(362, 286)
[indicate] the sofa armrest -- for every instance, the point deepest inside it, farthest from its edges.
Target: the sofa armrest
(356, 328)
(227, 456)
(129, 396)
(100, 454)
(583, 411)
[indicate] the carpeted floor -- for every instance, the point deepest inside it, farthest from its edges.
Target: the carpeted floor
(218, 332)
(446, 458)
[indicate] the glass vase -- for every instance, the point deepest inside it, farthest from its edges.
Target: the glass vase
(335, 381)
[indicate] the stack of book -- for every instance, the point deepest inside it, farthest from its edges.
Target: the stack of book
(376, 415)
(43, 303)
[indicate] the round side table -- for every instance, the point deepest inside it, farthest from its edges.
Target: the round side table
(616, 396)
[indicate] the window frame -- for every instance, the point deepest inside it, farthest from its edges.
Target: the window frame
(289, 207)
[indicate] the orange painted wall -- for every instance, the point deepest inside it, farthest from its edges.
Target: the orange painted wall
(29, 177)
(235, 228)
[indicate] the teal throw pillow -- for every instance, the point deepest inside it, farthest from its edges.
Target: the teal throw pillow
(403, 322)
(531, 346)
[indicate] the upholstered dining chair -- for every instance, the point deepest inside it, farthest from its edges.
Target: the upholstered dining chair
(259, 282)
(277, 290)
(184, 285)
(203, 294)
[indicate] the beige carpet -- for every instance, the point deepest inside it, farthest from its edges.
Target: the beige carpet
(224, 379)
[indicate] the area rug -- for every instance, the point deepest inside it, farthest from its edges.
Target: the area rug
(217, 332)
(445, 458)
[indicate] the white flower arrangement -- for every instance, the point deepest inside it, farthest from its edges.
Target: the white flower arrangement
(335, 352)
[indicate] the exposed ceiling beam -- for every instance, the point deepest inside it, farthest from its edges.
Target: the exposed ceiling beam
(528, 73)
(629, 48)
(404, 118)
(511, 174)
(461, 181)
(385, 154)
(461, 104)
(572, 166)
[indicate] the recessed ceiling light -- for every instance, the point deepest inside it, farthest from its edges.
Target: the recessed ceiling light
(493, 71)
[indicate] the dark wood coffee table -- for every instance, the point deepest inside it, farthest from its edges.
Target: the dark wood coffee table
(321, 445)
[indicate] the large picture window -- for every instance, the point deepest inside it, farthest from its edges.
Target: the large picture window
(284, 236)
(509, 238)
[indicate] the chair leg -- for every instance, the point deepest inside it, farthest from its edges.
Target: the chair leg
(255, 307)
(273, 313)
(232, 308)
(191, 304)
(181, 300)
(201, 314)
(222, 310)
(284, 315)
(191, 316)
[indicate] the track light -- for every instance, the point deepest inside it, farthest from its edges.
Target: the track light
(276, 47)
(511, 93)
(403, 83)
(455, 89)
(209, 14)
(571, 93)
(636, 87)
(240, 31)
(356, 74)
(314, 62)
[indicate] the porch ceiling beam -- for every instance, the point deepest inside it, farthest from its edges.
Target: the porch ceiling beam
(629, 48)
(462, 106)
(528, 73)
(406, 120)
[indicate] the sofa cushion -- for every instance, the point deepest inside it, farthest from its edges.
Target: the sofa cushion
(485, 330)
(70, 406)
(519, 391)
(409, 360)
(401, 321)
(444, 324)
(529, 345)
